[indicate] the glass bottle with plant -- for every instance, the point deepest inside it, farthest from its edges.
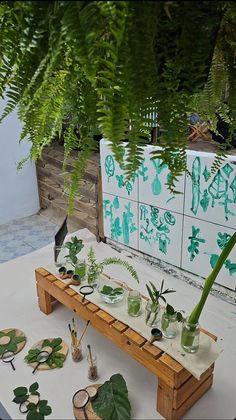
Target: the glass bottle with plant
(190, 330)
(169, 320)
(95, 269)
(153, 305)
(74, 247)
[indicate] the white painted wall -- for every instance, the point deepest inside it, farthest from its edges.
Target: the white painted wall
(18, 189)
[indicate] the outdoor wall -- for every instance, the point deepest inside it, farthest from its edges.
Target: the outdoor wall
(188, 230)
(18, 190)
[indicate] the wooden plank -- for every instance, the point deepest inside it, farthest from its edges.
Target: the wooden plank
(165, 397)
(44, 300)
(59, 284)
(80, 299)
(136, 338)
(51, 278)
(42, 271)
(119, 326)
(188, 388)
(93, 308)
(152, 350)
(193, 398)
(105, 316)
(70, 292)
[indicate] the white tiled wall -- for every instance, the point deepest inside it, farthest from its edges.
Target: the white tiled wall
(188, 230)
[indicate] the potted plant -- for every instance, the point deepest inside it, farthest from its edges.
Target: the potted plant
(95, 269)
(169, 320)
(190, 331)
(74, 247)
(153, 305)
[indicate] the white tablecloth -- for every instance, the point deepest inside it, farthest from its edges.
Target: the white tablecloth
(19, 308)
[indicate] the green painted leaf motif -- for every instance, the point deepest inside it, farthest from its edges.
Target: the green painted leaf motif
(213, 260)
(218, 187)
(112, 402)
(109, 166)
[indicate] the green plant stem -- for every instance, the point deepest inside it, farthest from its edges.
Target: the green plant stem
(195, 315)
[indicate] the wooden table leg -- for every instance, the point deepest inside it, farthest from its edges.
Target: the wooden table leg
(44, 300)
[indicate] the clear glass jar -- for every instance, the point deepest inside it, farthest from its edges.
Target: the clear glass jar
(92, 367)
(76, 351)
(134, 303)
(80, 269)
(59, 256)
(92, 276)
(151, 314)
(169, 325)
(190, 337)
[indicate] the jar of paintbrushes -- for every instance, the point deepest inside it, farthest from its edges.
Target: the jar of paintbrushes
(92, 365)
(76, 344)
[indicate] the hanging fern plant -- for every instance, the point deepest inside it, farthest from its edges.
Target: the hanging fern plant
(112, 67)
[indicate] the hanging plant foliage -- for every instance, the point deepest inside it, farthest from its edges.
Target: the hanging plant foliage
(115, 68)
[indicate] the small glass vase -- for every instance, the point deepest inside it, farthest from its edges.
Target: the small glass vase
(92, 367)
(134, 303)
(59, 254)
(151, 314)
(190, 337)
(92, 276)
(76, 351)
(80, 269)
(169, 325)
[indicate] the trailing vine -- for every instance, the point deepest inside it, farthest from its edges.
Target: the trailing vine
(114, 68)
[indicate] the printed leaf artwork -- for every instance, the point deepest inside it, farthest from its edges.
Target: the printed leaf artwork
(120, 180)
(233, 188)
(195, 241)
(128, 187)
(223, 239)
(231, 267)
(204, 202)
(227, 169)
(116, 203)
(109, 166)
(116, 230)
(142, 171)
(218, 188)
(112, 401)
(196, 172)
(206, 174)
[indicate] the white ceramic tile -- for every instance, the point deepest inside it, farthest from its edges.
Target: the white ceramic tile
(120, 220)
(211, 199)
(113, 179)
(202, 243)
(152, 184)
(160, 233)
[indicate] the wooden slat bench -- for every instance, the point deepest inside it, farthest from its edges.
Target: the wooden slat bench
(177, 390)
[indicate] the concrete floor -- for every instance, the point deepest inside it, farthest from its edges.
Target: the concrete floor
(27, 234)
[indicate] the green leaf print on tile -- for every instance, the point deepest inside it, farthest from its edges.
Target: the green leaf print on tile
(195, 241)
(231, 267)
(164, 240)
(143, 170)
(105, 205)
(227, 169)
(128, 187)
(109, 166)
(226, 203)
(120, 179)
(143, 212)
(206, 174)
(204, 203)
(116, 203)
(233, 188)
(127, 225)
(223, 239)
(156, 184)
(169, 218)
(116, 230)
(218, 187)
(196, 173)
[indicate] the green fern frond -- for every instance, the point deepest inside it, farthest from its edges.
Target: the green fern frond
(125, 264)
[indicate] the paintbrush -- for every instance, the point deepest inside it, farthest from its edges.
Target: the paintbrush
(90, 355)
(84, 331)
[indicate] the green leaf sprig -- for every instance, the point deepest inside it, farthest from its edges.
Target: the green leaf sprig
(74, 247)
(170, 311)
(108, 290)
(155, 294)
(14, 341)
(35, 411)
(55, 359)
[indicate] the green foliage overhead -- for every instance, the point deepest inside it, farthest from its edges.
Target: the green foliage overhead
(109, 67)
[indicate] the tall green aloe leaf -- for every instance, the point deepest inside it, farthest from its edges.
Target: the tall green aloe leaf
(195, 315)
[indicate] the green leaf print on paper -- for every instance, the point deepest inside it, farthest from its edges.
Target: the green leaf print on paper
(231, 267)
(116, 203)
(226, 203)
(196, 173)
(169, 218)
(233, 188)
(223, 239)
(143, 170)
(120, 179)
(109, 166)
(128, 187)
(227, 169)
(127, 225)
(195, 241)
(143, 212)
(116, 230)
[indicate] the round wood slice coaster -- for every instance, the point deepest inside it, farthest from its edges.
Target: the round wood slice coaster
(44, 366)
(18, 333)
(79, 412)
